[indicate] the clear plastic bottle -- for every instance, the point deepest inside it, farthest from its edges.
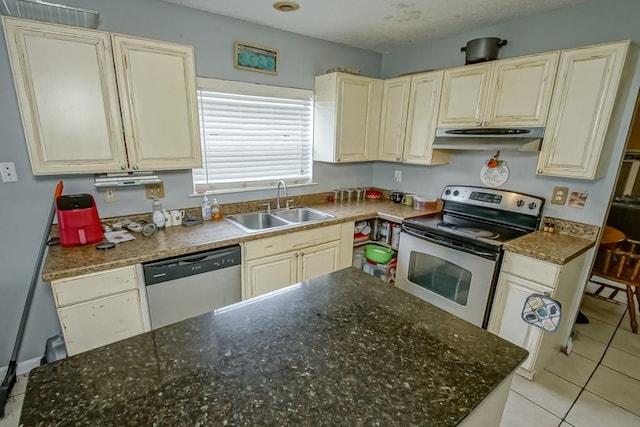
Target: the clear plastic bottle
(158, 215)
(206, 208)
(215, 210)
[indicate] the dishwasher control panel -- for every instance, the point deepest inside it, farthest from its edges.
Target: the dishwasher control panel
(191, 264)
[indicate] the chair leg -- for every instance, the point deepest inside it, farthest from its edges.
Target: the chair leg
(632, 310)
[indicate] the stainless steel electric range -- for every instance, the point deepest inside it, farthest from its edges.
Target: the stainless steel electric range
(452, 260)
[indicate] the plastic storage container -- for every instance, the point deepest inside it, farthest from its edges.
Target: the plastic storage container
(422, 203)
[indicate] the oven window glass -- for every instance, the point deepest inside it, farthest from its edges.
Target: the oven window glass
(440, 276)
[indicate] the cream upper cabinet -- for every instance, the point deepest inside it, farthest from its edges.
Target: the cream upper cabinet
(78, 89)
(521, 89)
(393, 121)
(66, 86)
(346, 118)
(583, 100)
(509, 92)
(158, 100)
(422, 115)
(464, 91)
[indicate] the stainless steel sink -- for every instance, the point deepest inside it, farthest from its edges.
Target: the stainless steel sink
(258, 221)
(299, 215)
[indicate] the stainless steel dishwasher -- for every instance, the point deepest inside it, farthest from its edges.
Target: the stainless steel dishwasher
(185, 286)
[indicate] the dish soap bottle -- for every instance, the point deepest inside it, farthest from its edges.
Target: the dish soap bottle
(215, 210)
(158, 215)
(206, 208)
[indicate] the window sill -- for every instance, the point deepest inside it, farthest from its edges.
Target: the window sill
(249, 189)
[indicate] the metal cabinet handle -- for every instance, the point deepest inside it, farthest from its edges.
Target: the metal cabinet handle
(486, 124)
(123, 167)
(539, 170)
(135, 167)
(301, 253)
(478, 123)
(297, 255)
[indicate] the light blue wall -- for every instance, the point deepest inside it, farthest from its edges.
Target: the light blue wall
(592, 23)
(25, 205)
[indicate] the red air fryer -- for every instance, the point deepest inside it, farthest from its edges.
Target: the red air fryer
(78, 220)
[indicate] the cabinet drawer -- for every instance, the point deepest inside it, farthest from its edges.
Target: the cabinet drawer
(291, 242)
(538, 271)
(95, 285)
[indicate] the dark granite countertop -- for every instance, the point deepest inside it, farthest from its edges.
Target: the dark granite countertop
(342, 349)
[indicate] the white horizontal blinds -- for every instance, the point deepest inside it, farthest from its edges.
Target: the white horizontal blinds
(254, 140)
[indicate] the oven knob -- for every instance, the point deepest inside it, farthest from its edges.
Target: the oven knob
(456, 193)
(520, 203)
(532, 205)
(447, 192)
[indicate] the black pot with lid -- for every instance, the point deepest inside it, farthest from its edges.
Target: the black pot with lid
(482, 49)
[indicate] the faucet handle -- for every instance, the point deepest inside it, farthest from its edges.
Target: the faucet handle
(289, 204)
(268, 205)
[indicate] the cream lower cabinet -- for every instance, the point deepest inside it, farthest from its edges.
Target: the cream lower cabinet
(78, 89)
(509, 92)
(519, 278)
(101, 308)
(582, 105)
(346, 118)
(276, 262)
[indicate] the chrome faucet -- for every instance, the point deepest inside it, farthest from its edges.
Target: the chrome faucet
(284, 186)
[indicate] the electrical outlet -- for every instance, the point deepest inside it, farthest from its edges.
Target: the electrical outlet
(110, 195)
(397, 176)
(8, 172)
(155, 190)
(559, 195)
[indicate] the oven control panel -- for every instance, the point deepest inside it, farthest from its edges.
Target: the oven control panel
(494, 198)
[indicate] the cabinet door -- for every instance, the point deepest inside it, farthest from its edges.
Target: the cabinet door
(506, 320)
(421, 120)
(582, 103)
(158, 99)
(464, 96)
(520, 92)
(268, 274)
(395, 102)
(319, 260)
(100, 322)
(358, 115)
(66, 89)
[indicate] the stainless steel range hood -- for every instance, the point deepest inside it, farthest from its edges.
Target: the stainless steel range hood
(506, 139)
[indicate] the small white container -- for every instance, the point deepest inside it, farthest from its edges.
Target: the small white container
(422, 203)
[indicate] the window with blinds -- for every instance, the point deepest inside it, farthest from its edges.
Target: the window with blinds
(253, 135)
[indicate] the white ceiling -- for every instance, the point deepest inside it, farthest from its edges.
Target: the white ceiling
(379, 25)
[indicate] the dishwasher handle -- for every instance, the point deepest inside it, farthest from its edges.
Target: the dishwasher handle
(206, 257)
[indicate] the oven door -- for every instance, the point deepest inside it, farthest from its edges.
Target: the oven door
(452, 279)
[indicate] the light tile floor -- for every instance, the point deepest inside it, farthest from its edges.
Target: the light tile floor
(598, 385)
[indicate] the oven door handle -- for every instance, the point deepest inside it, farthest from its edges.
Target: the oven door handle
(450, 244)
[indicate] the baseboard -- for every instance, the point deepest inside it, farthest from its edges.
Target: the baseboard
(22, 368)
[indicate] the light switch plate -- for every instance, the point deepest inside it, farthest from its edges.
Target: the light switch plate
(155, 190)
(559, 196)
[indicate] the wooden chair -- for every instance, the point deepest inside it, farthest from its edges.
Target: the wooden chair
(619, 264)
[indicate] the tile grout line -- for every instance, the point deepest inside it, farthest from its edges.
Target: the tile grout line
(531, 401)
(594, 371)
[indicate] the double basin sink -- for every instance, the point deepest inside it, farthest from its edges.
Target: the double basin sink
(253, 222)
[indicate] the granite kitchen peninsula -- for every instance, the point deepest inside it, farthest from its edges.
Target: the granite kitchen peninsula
(344, 348)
